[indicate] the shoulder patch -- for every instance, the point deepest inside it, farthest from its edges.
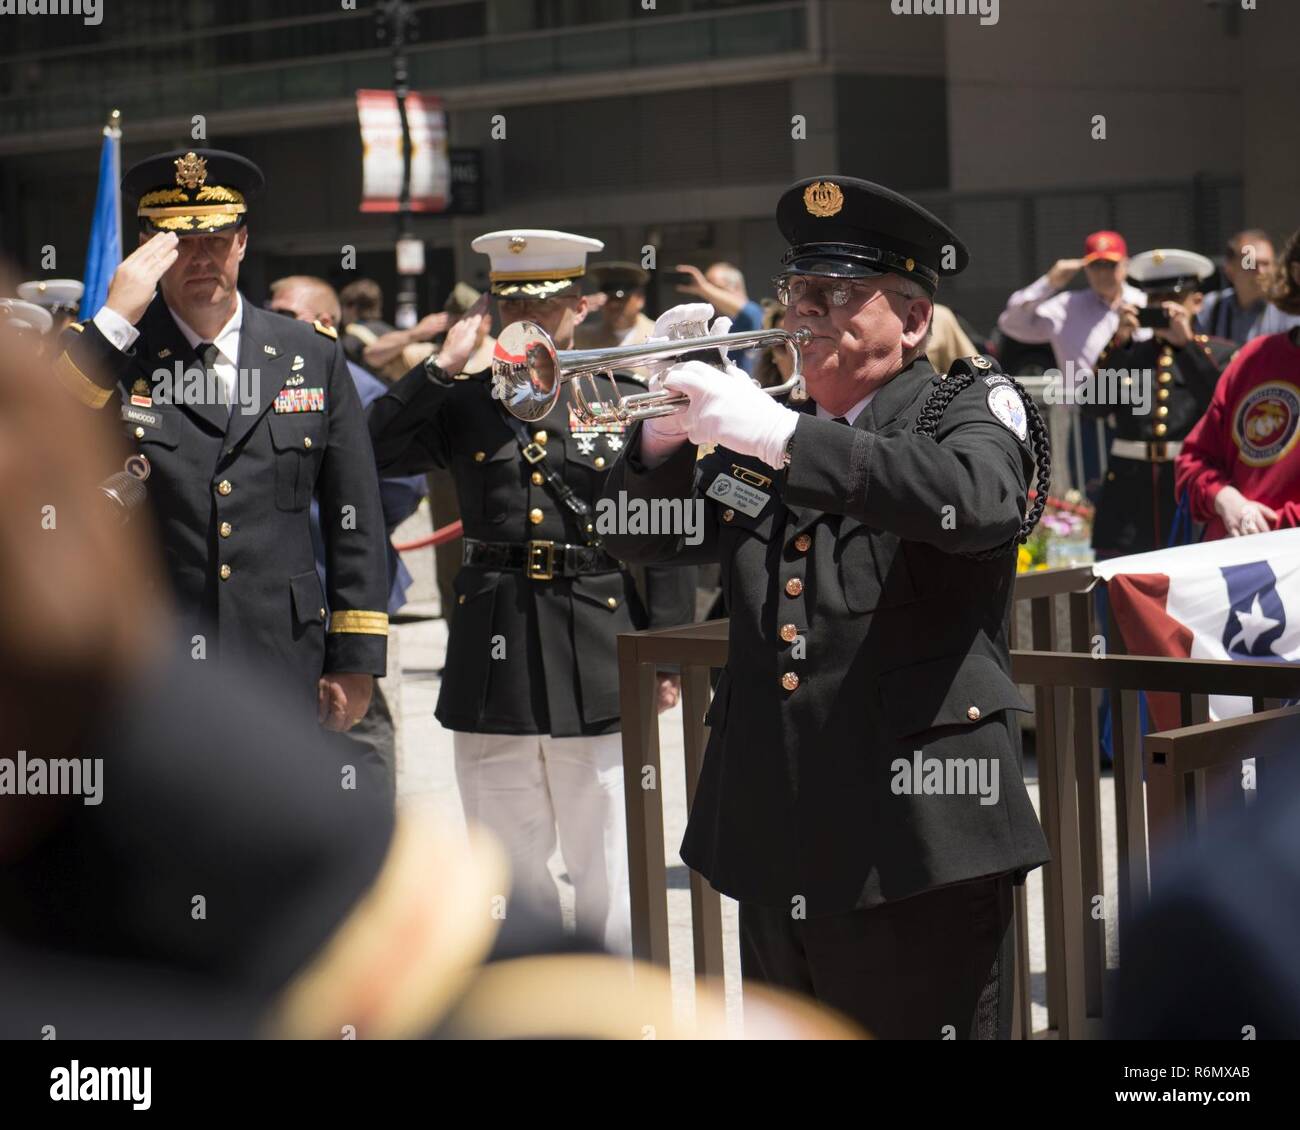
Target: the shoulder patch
(328, 331)
(1009, 410)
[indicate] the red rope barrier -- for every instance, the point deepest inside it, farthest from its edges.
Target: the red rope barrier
(438, 537)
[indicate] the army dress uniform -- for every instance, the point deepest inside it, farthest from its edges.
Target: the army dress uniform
(1137, 505)
(530, 684)
(231, 484)
(868, 643)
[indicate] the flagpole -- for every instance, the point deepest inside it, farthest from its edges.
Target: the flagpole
(114, 130)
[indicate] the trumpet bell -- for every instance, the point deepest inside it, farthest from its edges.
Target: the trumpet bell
(525, 371)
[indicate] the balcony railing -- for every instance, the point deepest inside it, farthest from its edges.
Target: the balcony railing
(738, 33)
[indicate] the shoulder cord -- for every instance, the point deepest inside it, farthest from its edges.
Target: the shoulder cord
(927, 424)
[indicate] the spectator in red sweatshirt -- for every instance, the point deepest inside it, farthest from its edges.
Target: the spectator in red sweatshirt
(1241, 464)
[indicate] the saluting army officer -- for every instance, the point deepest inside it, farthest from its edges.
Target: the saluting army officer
(531, 679)
(243, 415)
(861, 794)
(1152, 417)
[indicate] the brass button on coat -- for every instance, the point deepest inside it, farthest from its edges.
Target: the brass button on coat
(540, 437)
(538, 480)
(803, 543)
(224, 487)
(789, 632)
(306, 441)
(225, 572)
(1161, 429)
(1163, 394)
(973, 713)
(790, 680)
(139, 433)
(612, 601)
(599, 462)
(728, 514)
(1163, 410)
(479, 456)
(225, 529)
(535, 516)
(794, 586)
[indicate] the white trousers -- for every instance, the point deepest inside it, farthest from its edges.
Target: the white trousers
(525, 787)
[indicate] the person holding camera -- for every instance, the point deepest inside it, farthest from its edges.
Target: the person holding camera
(1155, 379)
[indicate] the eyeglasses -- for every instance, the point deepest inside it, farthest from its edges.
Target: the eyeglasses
(831, 292)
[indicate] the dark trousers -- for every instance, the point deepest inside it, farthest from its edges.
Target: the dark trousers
(939, 965)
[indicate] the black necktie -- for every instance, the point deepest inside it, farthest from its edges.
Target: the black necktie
(208, 353)
(839, 420)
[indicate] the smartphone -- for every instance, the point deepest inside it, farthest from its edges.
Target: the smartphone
(1153, 317)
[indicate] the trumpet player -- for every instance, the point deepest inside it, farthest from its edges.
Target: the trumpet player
(530, 685)
(861, 794)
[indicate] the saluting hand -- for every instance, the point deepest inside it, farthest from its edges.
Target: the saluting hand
(1063, 270)
(136, 278)
(458, 346)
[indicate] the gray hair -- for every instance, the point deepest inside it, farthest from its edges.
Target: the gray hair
(913, 289)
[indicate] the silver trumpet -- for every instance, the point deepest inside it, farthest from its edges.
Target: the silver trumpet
(527, 371)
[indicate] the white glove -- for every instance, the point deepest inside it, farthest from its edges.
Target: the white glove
(729, 409)
(669, 327)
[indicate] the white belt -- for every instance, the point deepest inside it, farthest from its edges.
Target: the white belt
(1154, 451)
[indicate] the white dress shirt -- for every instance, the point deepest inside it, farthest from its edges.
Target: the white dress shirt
(122, 335)
(1077, 323)
(852, 414)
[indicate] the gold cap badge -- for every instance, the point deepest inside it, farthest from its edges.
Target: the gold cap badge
(1158, 257)
(517, 244)
(191, 170)
(823, 198)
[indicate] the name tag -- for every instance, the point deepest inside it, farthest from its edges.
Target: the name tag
(300, 400)
(136, 416)
(739, 496)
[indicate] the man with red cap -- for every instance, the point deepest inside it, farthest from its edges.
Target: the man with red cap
(1077, 323)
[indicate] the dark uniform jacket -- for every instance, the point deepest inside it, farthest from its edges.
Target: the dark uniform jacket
(555, 668)
(230, 491)
(901, 652)
(1137, 504)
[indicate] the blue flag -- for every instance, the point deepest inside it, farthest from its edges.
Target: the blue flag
(105, 250)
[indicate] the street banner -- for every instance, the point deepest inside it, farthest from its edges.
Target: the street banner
(381, 151)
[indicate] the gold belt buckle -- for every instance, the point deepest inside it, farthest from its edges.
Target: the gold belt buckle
(534, 452)
(541, 560)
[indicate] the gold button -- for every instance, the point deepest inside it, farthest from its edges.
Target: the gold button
(1165, 378)
(479, 456)
(612, 602)
(460, 600)
(1110, 476)
(225, 529)
(1161, 429)
(538, 480)
(794, 586)
(535, 516)
(802, 542)
(790, 680)
(599, 462)
(728, 514)
(1163, 410)
(225, 572)
(306, 441)
(973, 713)
(788, 632)
(224, 487)
(322, 614)
(1166, 359)
(139, 433)
(540, 437)
(1163, 394)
